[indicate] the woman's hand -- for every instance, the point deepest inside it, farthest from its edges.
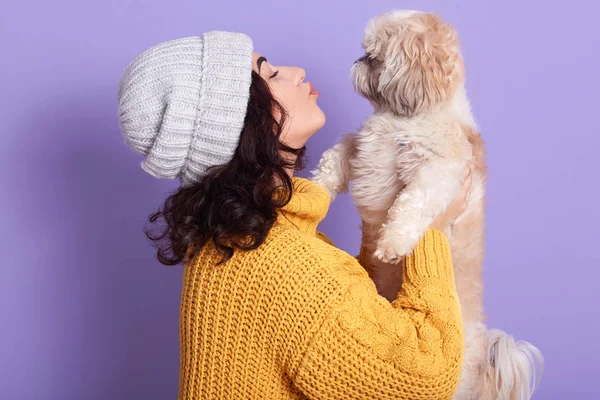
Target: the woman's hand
(457, 207)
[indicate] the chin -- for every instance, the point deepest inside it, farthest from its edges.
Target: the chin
(318, 120)
(321, 119)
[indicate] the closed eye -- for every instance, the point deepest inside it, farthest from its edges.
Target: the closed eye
(274, 74)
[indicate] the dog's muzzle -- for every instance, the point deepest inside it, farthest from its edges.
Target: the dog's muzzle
(362, 59)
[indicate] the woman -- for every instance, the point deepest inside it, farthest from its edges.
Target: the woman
(270, 309)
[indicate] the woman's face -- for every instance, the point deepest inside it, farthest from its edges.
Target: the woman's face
(298, 97)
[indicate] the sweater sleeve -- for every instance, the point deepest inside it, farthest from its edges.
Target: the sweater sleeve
(368, 348)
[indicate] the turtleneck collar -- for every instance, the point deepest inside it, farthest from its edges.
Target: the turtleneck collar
(307, 208)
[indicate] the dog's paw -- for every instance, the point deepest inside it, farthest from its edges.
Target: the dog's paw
(389, 252)
(328, 173)
(393, 244)
(321, 178)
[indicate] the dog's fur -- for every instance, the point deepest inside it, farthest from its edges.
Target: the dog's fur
(406, 165)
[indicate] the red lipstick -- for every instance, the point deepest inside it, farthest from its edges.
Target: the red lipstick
(313, 92)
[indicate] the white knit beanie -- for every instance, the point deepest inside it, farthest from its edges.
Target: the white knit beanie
(182, 103)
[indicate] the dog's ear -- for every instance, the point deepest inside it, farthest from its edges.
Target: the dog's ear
(422, 65)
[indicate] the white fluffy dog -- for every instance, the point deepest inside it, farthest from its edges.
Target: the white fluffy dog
(406, 165)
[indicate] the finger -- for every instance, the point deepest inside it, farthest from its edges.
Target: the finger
(467, 188)
(468, 194)
(469, 182)
(466, 185)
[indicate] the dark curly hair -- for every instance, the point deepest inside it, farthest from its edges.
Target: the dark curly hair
(234, 205)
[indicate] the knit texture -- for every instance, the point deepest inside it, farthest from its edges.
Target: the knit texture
(299, 319)
(182, 103)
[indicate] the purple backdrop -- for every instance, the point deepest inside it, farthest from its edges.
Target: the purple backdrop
(85, 310)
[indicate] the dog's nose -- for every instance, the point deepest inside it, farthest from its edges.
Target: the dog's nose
(362, 59)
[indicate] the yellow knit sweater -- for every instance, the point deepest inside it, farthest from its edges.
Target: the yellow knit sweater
(299, 319)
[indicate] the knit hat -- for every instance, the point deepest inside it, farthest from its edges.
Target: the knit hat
(182, 103)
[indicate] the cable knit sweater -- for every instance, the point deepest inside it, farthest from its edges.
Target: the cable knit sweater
(299, 319)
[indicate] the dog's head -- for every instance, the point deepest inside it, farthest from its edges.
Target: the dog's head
(412, 62)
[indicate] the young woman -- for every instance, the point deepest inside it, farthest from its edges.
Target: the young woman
(270, 309)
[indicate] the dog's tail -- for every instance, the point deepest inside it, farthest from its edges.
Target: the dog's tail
(514, 369)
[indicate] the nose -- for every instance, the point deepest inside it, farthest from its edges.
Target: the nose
(300, 75)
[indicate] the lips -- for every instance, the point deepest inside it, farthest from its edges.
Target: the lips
(312, 90)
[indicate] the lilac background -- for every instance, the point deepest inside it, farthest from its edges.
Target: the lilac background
(85, 310)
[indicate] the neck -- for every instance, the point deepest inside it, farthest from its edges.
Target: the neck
(456, 107)
(290, 159)
(290, 172)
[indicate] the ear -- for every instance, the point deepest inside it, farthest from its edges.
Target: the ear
(422, 66)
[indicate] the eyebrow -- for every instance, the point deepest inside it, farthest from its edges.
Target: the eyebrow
(259, 62)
